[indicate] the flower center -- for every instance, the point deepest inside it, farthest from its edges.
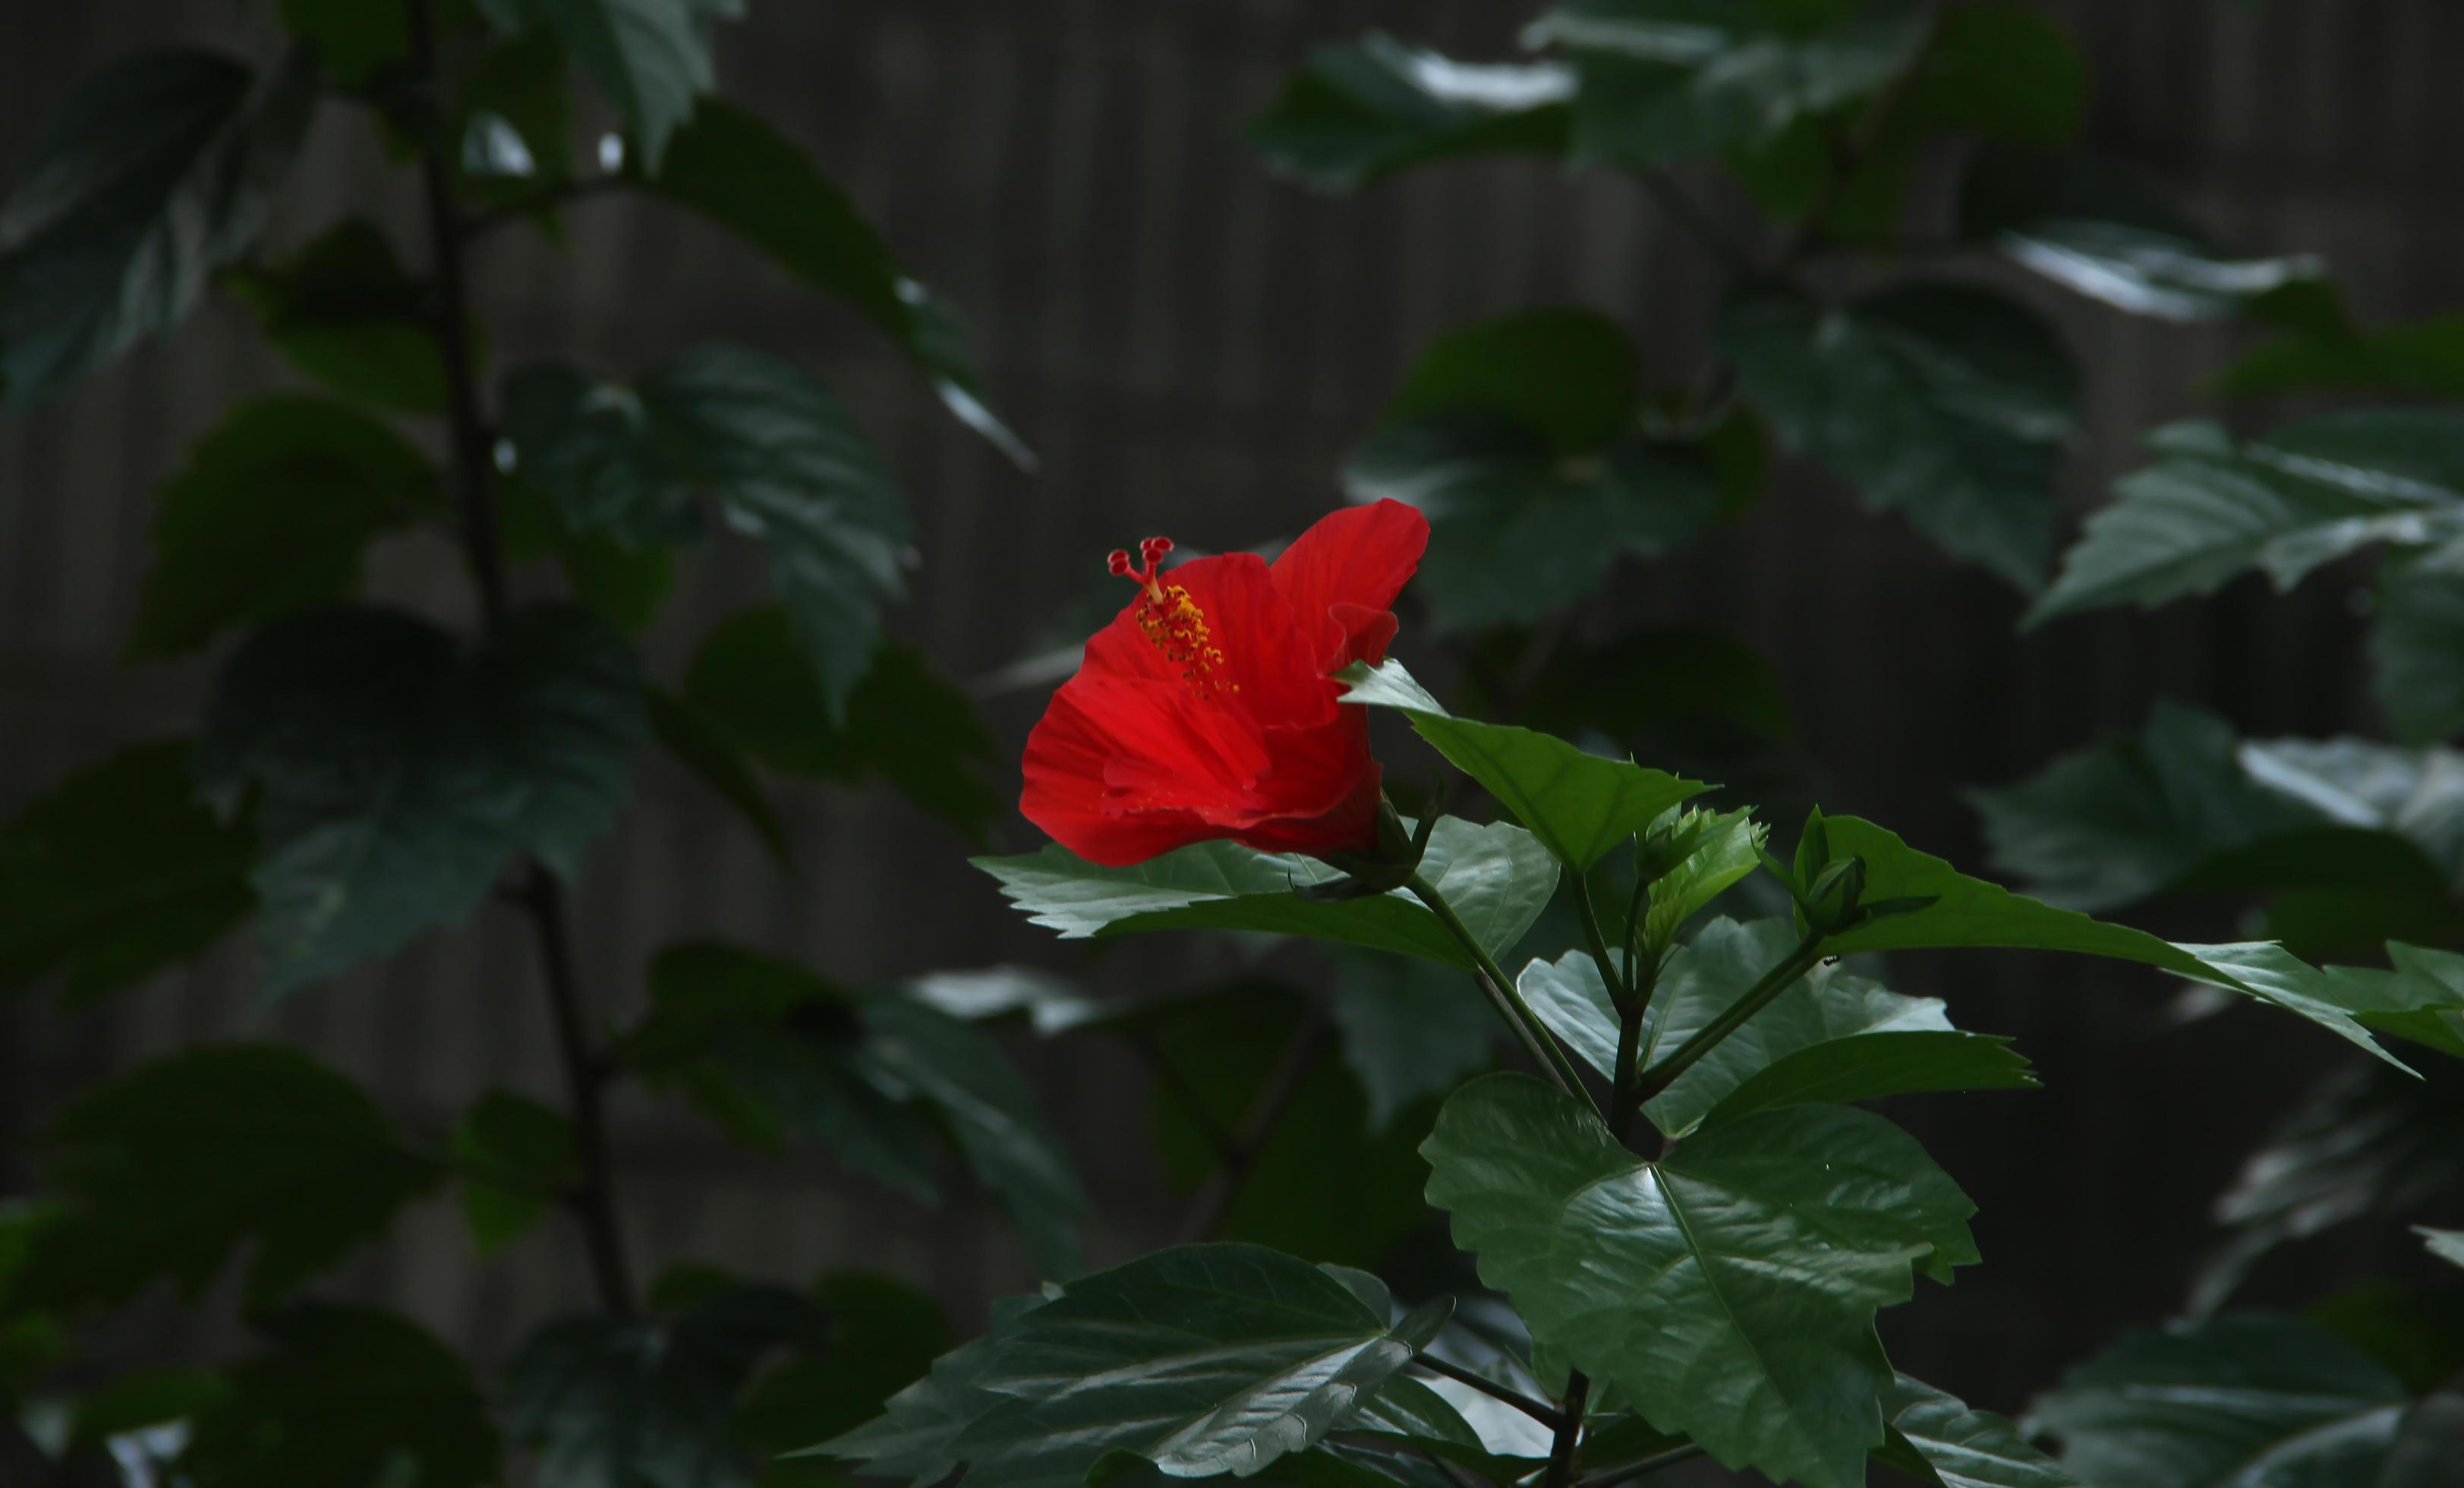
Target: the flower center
(1171, 621)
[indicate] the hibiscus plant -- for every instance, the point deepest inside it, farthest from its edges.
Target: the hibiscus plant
(1521, 1089)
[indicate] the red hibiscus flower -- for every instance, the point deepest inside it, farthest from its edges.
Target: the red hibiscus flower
(1206, 710)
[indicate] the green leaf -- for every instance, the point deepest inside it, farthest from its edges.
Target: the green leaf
(1579, 806)
(169, 1168)
(2445, 1244)
(1052, 1003)
(348, 1396)
(773, 1053)
(914, 1436)
(343, 311)
(650, 58)
(119, 872)
(2418, 642)
(1568, 995)
(1517, 532)
(1952, 405)
(1323, 1182)
(1200, 1359)
(776, 450)
(517, 1159)
(2363, 1142)
(605, 1403)
(1961, 911)
(624, 582)
(1721, 849)
(2241, 1399)
(1410, 1031)
(2323, 350)
(2308, 494)
(745, 176)
(154, 173)
(1356, 111)
(882, 1337)
(272, 512)
(904, 724)
(2091, 228)
(1663, 80)
(2133, 818)
(1937, 1439)
(1830, 1037)
(709, 752)
(1569, 375)
(1497, 878)
(398, 773)
(513, 118)
(1729, 1291)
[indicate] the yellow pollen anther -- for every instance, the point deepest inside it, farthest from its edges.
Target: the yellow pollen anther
(1173, 625)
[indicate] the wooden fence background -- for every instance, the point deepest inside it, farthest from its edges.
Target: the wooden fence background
(1193, 346)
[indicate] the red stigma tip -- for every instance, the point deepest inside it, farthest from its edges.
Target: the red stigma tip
(1154, 549)
(1119, 561)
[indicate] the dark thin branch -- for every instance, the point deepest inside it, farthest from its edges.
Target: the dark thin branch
(1539, 1410)
(480, 224)
(474, 468)
(1609, 1478)
(1214, 1200)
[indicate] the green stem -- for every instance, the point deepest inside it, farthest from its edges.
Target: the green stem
(1777, 980)
(1503, 996)
(1546, 1414)
(1570, 1429)
(1611, 976)
(1627, 1098)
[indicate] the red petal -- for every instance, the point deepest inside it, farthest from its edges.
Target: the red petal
(1266, 669)
(1357, 556)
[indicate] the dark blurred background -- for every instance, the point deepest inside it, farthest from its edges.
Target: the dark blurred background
(1192, 347)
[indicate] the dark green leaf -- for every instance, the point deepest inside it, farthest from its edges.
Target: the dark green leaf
(2134, 817)
(2090, 226)
(351, 1398)
(2445, 1244)
(650, 58)
(1830, 1037)
(882, 1337)
(2363, 1142)
(2307, 495)
(1356, 111)
(621, 582)
(1937, 1439)
(1729, 1291)
(342, 311)
(1517, 532)
(2417, 648)
(737, 171)
(1569, 376)
(272, 512)
(710, 754)
(913, 1437)
(514, 122)
(904, 723)
(1410, 1031)
(1322, 1183)
(777, 452)
(2241, 1399)
(516, 1157)
(136, 1402)
(1579, 806)
(171, 1167)
(154, 173)
(119, 872)
(1497, 878)
(398, 774)
(2428, 1441)
(1669, 80)
(2323, 348)
(775, 1053)
(605, 1403)
(1201, 1359)
(1949, 404)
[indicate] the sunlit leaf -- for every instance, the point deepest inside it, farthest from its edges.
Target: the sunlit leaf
(650, 58)
(1937, 1439)
(1355, 111)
